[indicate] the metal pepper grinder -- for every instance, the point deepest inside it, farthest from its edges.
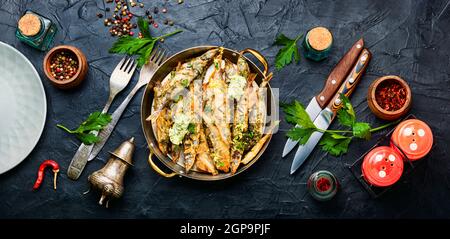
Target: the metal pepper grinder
(109, 179)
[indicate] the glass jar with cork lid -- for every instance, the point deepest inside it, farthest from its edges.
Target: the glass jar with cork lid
(36, 30)
(317, 43)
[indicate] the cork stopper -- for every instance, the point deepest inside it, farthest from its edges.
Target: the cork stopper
(320, 38)
(29, 24)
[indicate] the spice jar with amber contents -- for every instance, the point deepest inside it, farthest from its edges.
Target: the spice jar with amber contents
(36, 30)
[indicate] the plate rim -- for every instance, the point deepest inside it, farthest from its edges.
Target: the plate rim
(45, 104)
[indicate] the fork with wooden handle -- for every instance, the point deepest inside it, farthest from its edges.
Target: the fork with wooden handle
(146, 74)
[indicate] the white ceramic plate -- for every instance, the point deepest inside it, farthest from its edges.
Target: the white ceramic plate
(23, 107)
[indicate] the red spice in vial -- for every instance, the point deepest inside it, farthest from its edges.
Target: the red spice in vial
(390, 95)
(323, 184)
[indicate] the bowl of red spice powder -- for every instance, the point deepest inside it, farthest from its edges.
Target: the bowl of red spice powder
(65, 66)
(389, 97)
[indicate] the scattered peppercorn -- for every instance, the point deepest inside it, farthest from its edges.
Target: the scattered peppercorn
(164, 10)
(180, 1)
(161, 40)
(99, 15)
(155, 10)
(63, 65)
(171, 23)
(147, 12)
(141, 5)
(165, 22)
(149, 17)
(107, 9)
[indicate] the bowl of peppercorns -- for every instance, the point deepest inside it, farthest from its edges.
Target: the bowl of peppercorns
(389, 97)
(65, 66)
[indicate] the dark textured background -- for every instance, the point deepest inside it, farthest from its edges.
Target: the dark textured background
(407, 38)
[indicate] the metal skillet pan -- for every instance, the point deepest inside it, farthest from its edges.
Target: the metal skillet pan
(147, 101)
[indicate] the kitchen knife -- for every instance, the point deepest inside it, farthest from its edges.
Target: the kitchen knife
(327, 115)
(332, 84)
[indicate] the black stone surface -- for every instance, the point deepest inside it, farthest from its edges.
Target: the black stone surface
(407, 38)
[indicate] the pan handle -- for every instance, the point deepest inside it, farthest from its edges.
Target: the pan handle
(258, 56)
(158, 170)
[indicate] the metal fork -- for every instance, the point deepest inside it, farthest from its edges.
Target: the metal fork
(147, 71)
(119, 79)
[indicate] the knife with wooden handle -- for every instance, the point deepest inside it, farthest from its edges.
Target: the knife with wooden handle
(332, 84)
(326, 116)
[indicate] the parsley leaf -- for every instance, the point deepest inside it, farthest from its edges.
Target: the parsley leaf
(346, 115)
(362, 130)
(300, 134)
(141, 47)
(88, 139)
(96, 121)
(143, 27)
(284, 55)
(335, 144)
(296, 114)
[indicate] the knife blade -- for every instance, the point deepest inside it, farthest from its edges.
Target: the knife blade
(332, 84)
(326, 116)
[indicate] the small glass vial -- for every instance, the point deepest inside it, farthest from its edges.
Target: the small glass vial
(36, 30)
(317, 43)
(322, 185)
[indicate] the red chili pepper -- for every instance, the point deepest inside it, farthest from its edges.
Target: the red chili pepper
(40, 177)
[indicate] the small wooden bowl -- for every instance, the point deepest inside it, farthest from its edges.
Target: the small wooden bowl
(382, 113)
(79, 75)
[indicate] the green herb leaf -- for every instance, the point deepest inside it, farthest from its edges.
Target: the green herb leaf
(296, 114)
(362, 130)
(300, 134)
(184, 82)
(88, 138)
(191, 128)
(143, 27)
(96, 121)
(130, 45)
(284, 55)
(335, 144)
(141, 47)
(346, 115)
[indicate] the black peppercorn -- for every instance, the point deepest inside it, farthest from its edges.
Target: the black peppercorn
(155, 10)
(107, 9)
(99, 15)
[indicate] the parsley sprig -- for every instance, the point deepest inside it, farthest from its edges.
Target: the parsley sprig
(142, 47)
(284, 55)
(335, 142)
(95, 122)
